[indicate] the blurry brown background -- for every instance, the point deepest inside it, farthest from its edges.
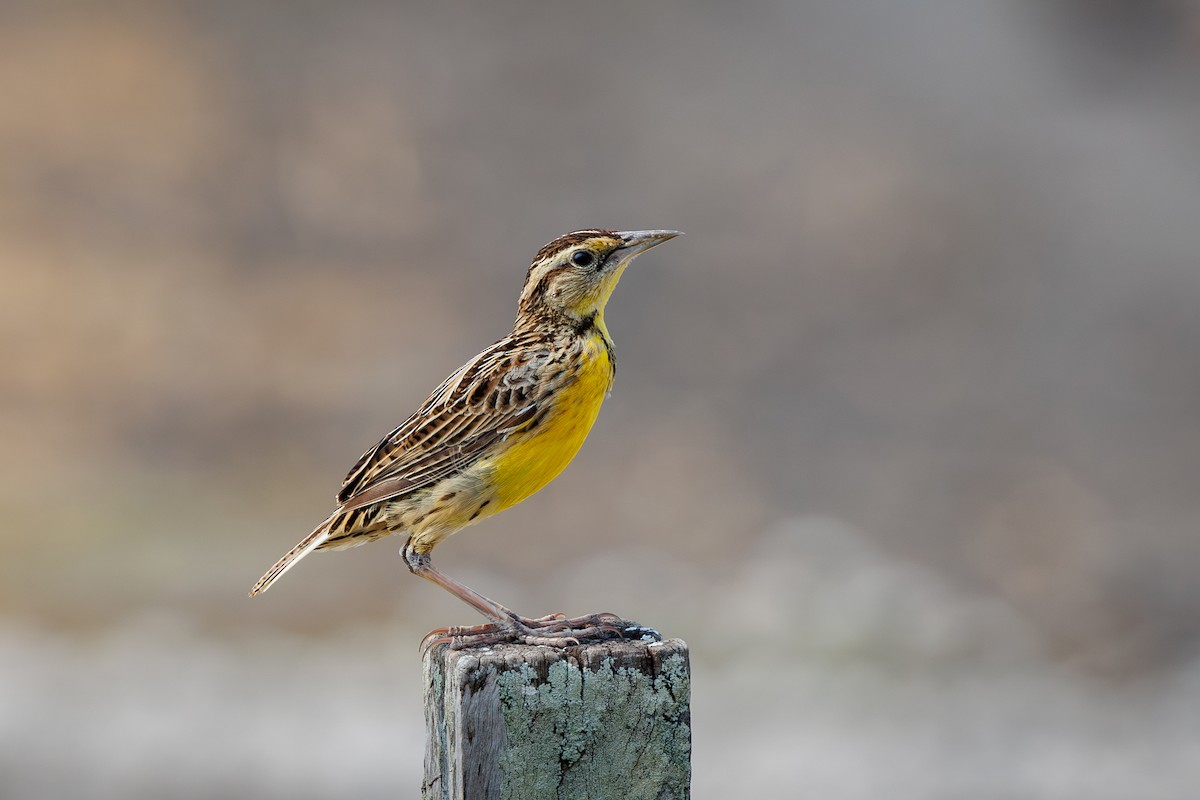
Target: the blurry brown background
(906, 433)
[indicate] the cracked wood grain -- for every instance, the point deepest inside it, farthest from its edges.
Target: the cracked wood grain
(604, 721)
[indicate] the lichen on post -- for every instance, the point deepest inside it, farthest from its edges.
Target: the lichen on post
(605, 720)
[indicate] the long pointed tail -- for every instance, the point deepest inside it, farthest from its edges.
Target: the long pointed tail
(306, 546)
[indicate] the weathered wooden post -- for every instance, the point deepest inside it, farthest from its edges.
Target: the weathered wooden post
(605, 720)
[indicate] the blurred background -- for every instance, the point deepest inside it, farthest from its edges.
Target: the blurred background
(905, 439)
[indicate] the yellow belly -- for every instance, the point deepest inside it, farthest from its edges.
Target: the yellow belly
(535, 458)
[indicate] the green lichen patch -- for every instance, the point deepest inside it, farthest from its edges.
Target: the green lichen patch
(613, 732)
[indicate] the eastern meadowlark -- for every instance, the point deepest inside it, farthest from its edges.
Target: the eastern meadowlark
(496, 431)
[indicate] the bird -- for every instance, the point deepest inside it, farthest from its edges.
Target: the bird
(496, 431)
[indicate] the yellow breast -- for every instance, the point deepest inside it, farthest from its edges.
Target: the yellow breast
(536, 457)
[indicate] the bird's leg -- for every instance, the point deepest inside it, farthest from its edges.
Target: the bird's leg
(554, 630)
(420, 565)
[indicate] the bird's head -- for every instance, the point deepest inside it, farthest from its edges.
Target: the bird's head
(574, 275)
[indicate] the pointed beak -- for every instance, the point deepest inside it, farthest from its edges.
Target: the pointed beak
(637, 242)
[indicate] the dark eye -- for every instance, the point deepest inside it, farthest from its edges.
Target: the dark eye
(583, 258)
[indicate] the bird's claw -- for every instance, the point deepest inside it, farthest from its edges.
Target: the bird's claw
(552, 630)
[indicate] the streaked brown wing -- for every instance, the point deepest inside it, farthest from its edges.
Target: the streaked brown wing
(490, 397)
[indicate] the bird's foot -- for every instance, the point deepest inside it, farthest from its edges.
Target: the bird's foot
(553, 630)
(460, 636)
